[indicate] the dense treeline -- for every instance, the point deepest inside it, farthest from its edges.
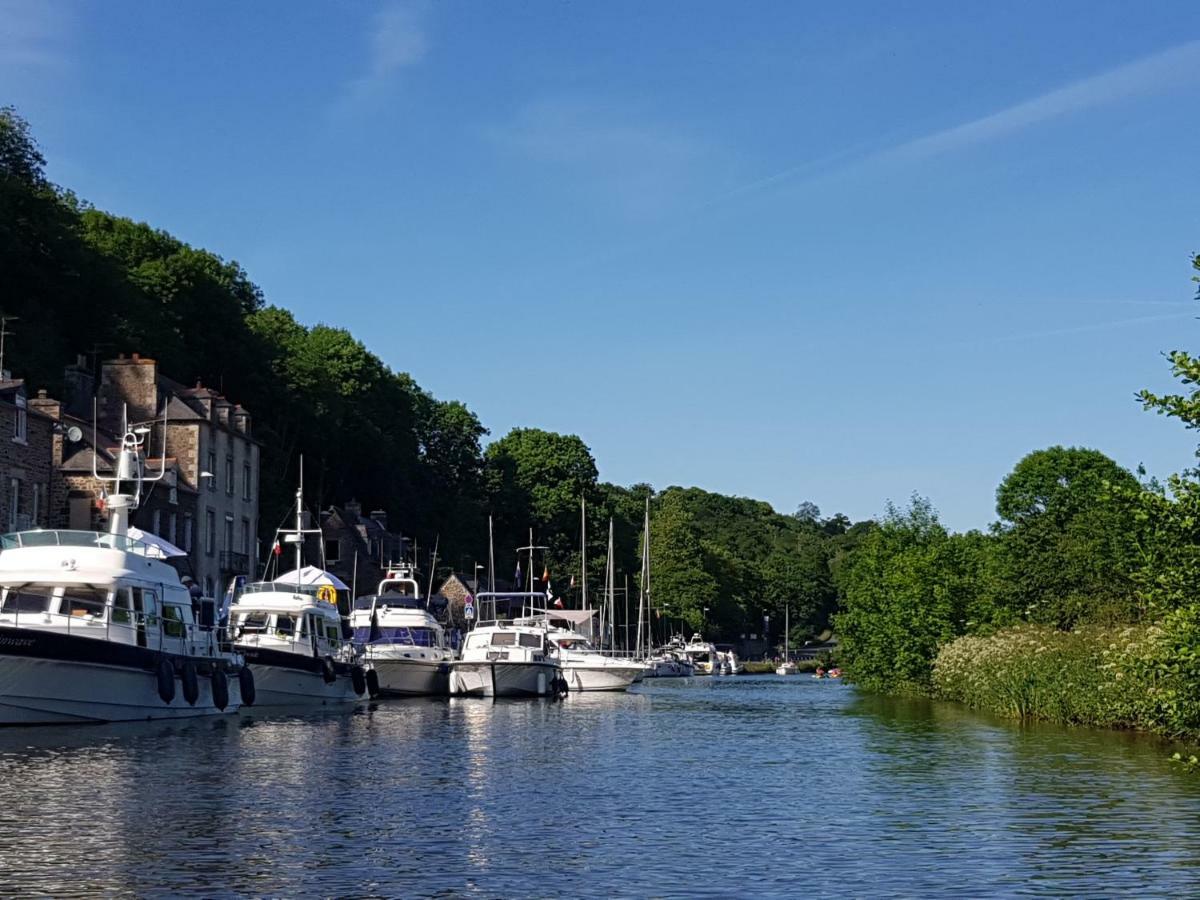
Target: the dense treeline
(1081, 603)
(84, 281)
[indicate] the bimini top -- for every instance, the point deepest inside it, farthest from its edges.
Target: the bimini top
(71, 557)
(311, 576)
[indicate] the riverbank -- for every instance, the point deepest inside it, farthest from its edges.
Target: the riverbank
(768, 667)
(1141, 677)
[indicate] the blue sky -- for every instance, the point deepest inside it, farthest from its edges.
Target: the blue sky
(789, 251)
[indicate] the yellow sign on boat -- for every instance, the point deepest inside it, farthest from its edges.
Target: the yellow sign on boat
(327, 593)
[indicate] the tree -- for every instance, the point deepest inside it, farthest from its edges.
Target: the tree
(1067, 540)
(907, 589)
(807, 512)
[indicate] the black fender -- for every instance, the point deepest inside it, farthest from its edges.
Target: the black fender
(246, 685)
(220, 688)
(165, 674)
(190, 681)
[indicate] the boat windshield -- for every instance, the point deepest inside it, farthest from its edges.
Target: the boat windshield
(279, 587)
(63, 538)
(403, 601)
(413, 637)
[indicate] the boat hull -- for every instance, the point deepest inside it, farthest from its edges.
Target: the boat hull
(293, 680)
(502, 679)
(43, 690)
(412, 677)
(600, 678)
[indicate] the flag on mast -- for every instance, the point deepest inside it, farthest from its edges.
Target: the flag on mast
(517, 577)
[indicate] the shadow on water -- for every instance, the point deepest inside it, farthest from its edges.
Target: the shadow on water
(713, 786)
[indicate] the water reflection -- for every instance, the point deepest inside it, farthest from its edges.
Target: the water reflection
(715, 787)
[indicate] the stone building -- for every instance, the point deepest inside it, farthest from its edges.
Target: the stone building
(207, 501)
(357, 548)
(26, 442)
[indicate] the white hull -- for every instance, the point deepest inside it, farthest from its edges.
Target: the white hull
(47, 691)
(502, 679)
(786, 669)
(600, 678)
(412, 676)
(281, 686)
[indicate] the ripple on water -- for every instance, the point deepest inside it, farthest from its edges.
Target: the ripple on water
(717, 787)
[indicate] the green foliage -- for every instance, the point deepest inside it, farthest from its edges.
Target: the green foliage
(1067, 541)
(909, 588)
(1091, 676)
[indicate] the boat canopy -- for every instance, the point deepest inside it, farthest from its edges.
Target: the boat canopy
(311, 575)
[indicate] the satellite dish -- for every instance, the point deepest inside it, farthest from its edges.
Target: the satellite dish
(74, 434)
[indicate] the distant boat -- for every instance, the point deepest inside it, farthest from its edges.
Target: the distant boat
(702, 655)
(787, 667)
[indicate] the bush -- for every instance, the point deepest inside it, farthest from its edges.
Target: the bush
(1139, 676)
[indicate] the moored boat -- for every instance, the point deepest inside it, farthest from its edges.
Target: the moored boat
(98, 626)
(291, 634)
(502, 657)
(405, 644)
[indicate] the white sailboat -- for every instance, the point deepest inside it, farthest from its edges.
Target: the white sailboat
(787, 667)
(97, 627)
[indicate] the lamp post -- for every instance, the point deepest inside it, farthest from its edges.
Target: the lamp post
(478, 566)
(704, 626)
(766, 635)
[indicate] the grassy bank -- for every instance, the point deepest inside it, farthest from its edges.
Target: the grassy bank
(1144, 677)
(766, 668)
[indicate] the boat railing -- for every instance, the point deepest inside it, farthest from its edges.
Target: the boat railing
(15, 540)
(251, 634)
(111, 622)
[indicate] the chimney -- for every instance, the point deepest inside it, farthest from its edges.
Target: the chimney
(379, 517)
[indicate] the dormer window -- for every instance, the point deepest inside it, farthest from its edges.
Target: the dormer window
(21, 423)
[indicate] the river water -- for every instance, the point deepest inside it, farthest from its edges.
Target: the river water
(744, 786)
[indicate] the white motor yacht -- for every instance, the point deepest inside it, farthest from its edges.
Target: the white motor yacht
(405, 644)
(98, 627)
(702, 655)
(290, 632)
(583, 666)
(502, 658)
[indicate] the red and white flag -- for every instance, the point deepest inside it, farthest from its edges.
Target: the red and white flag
(276, 548)
(558, 604)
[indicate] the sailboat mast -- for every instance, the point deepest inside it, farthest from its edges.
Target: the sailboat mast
(300, 523)
(491, 558)
(644, 593)
(583, 551)
(612, 577)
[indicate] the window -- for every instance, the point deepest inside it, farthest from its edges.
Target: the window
(285, 626)
(531, 640)
(122, 608)
(333, 550)
(32, 598)
(173, 622)
(246, 495)
(504, 639)
(173, 489)
(82, 601)
(210, 532)
(212, 470)
(229, 475)
(21, 423)
(156, 523)
(208, 586)
(246, 536)
(171, 523)
(228, 545)
(187, 532)
(331, 632)
(36, 512)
